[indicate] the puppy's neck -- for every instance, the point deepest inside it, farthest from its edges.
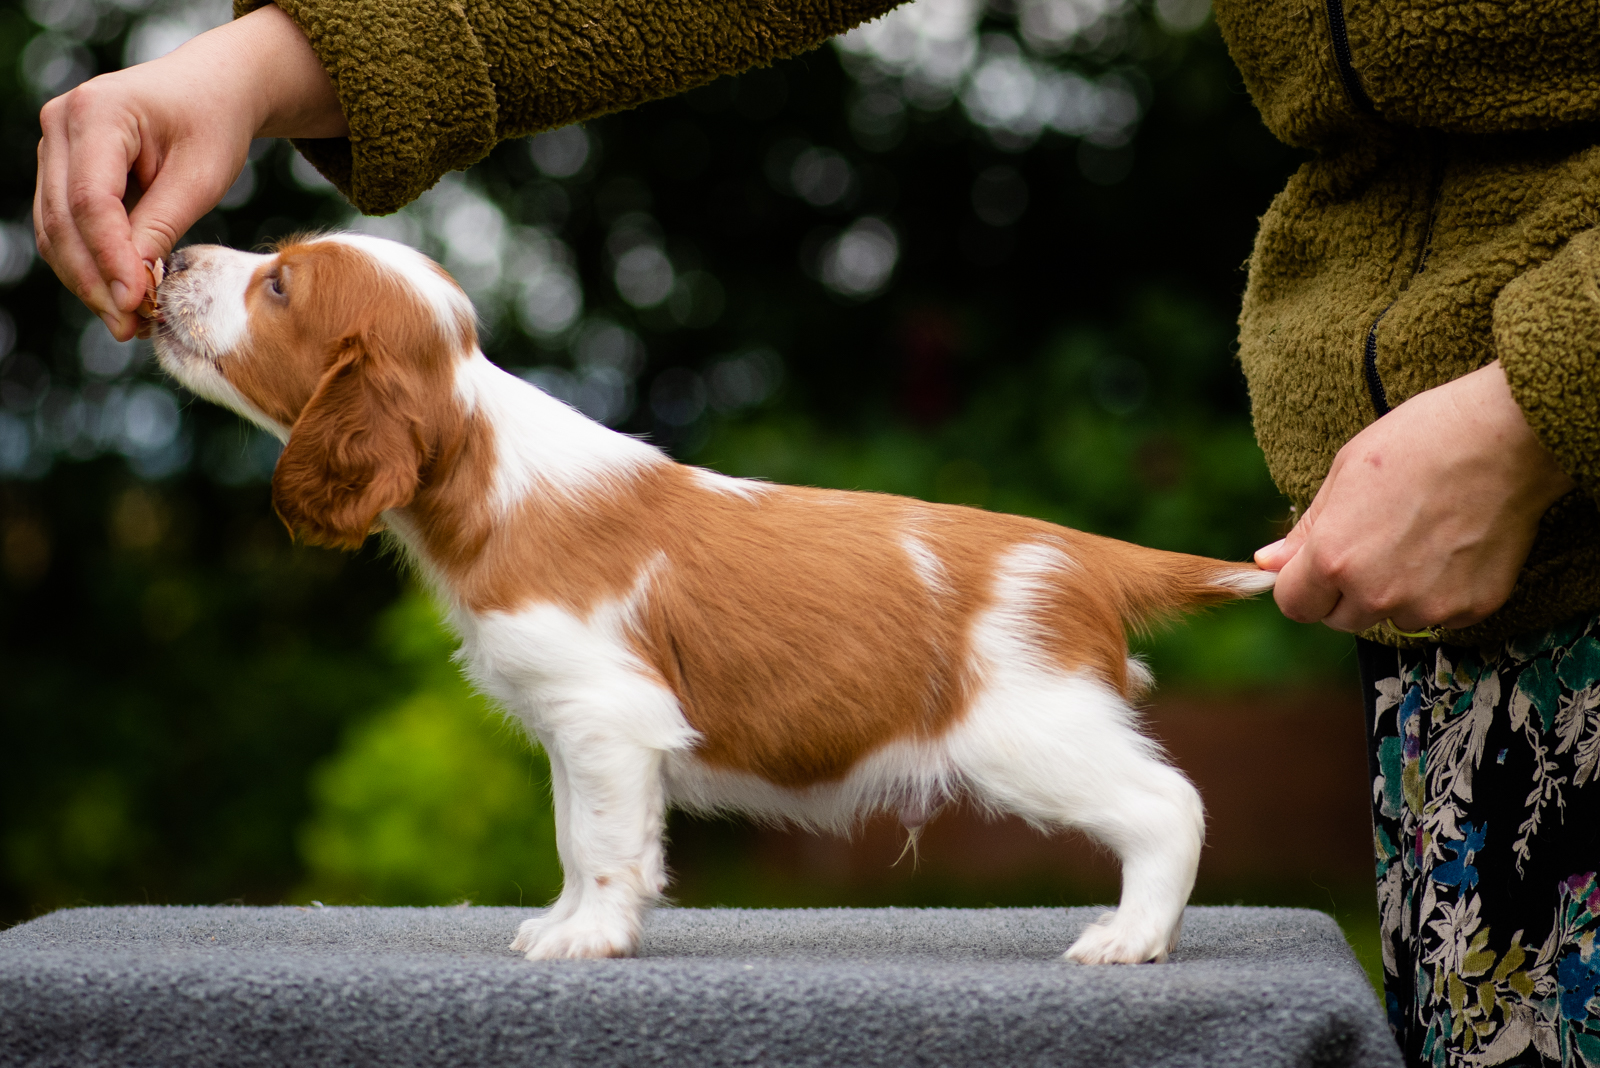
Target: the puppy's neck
(517, 447)
(540, 444)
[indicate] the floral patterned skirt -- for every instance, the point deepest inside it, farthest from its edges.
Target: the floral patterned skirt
(1486, 824)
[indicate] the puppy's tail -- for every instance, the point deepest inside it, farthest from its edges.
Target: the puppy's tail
(1153, 585)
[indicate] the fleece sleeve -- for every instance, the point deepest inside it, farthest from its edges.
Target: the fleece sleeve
(429, 86)
(1547, 334)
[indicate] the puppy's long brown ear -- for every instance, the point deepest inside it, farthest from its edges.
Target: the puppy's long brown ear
(357, 449)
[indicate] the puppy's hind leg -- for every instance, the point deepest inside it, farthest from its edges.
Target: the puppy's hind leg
(610, 805)
(1156, 828)
(1062, 751)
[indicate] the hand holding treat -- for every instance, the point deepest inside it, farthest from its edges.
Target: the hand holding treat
(130, 160)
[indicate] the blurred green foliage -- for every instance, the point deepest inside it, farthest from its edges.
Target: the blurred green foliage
(435, 800)
(166, 689)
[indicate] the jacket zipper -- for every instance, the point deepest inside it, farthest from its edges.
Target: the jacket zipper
(1340, 34)
(1341, 54)
(1369, 356)
(1369, 364)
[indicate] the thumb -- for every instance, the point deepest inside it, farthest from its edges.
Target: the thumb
(1276, 557)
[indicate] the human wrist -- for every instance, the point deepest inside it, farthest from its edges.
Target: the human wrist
(276, 75)
(1540, 476)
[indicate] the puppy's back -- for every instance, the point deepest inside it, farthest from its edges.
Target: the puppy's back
(801, 629)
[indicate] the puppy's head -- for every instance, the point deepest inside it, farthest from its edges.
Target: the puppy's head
(343, 346)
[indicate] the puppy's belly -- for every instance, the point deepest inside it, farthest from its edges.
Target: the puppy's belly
(903, 773)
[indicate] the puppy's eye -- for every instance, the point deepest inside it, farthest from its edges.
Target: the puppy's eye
(277, 282)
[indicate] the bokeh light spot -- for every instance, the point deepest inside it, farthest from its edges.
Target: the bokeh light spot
(560, 153)
(859, 261)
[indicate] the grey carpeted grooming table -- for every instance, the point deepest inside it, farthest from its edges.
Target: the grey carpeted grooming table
(240, 987)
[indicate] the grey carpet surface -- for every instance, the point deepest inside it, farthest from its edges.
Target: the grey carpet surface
(830, 988)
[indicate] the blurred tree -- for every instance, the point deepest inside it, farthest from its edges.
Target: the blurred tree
(986, 253)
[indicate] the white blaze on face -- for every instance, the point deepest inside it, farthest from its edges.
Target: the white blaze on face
(205, 321)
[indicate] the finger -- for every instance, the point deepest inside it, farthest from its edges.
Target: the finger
(1303, 593)
(40, 238)
(60, 243)
(1346, 621)
(54, 232)
(85, 155)
(98, 163)
(1276, 557)
(1348, 617)
(1271, 557)
(1457, 608)
(1457, 621)
(189, 184)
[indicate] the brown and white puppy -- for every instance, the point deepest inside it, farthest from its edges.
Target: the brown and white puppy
(675, 636)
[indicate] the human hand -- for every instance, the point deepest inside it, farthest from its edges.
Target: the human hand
(1425, 518)
(129, 161)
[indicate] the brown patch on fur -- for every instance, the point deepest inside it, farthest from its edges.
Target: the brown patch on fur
(743, 619)
(796, 633)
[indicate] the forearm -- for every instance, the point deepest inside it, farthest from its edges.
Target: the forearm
(256, 77)
(430, 86)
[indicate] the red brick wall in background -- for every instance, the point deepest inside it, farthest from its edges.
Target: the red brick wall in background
(1283, 775)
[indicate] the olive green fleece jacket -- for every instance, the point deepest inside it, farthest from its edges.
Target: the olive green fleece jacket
(430, 86)
(1447, 219)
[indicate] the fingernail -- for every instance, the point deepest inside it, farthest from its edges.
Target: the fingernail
(119, 293)
(1267, 552)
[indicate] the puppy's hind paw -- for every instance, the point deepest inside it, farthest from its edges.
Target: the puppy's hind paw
(1112, 942)
(579, 939)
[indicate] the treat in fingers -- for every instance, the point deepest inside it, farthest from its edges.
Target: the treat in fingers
(149, 310)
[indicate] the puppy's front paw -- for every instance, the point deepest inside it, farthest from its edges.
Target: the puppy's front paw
(1113, 941)
(576, 939)
(528, 932)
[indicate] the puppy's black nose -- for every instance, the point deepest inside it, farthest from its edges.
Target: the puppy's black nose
(176, 262)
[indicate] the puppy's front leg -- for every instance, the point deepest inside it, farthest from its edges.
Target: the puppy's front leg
(566, 904)
(610, 803)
